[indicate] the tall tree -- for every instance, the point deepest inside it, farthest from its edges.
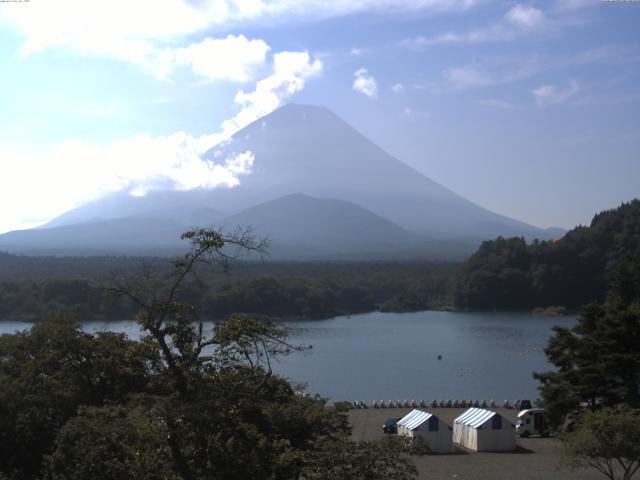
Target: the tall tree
(607, 440)
(597, 361)
(182, 403)
(47, 373)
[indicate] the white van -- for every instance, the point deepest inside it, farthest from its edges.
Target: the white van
(532, 422)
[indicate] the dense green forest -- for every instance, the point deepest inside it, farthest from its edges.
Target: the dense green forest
(571, 271)
(33, 287)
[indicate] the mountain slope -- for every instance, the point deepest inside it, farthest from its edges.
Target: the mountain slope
(122, 235)
(177, 207)
(308, 149)
(303, 224)
(298, 149)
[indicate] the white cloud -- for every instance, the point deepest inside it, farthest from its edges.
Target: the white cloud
(575, 4)
(356, 51)
(161, 101)
(147, 33)
(497, 71)
(92, 110)
(124, 30)
(334, 8)
(397, 88)
(492, 33)
(497, 103)
(153, 34)
(290, 70)
(518, 21)
(460, 78)
(78, 171)
(525, 16)
(138, 31)
(365, 83)
(233, 58)
(546, 95)
(411, 114)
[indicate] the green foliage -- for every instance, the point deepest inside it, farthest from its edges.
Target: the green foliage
(342, 459)
(607, 440)
(574, 270)
(597, 361)
(47, 373)
(182, 403)
(279, 290)
(288, 298)
(115, 442)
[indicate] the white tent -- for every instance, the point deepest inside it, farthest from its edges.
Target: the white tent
(478, 429)
(434, 431)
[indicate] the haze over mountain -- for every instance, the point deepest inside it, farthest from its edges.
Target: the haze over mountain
(377, 202)
(308, 149)
(129, 235)
(303, 226)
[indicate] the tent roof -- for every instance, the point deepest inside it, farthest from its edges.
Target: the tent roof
(414, 419)
(474, 417)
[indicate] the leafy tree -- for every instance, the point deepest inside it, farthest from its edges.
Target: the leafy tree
(607, 440)
(115, 442)
(597, 361)
(342, 459)
(570, 271)
(47, 373)
(219, 384)
(181, 403)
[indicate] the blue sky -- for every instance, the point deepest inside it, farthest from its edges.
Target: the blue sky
(531, 109)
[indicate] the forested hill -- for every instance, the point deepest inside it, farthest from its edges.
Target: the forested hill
(33, 288)
(571, 271)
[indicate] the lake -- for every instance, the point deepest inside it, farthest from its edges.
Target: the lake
(376, 356)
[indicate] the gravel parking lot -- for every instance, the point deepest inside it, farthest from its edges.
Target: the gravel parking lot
(534, 458)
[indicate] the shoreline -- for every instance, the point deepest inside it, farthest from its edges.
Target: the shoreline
(536, 312)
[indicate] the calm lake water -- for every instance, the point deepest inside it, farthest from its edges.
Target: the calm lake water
(377, 356)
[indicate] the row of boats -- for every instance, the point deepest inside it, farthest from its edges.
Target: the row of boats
(518, 404)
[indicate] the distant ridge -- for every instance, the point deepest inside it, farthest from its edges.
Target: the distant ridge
(571, 271)
(298, 224)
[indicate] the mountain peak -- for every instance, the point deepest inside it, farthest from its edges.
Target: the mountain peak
(293, 114)
(309, 151)
(302, 108)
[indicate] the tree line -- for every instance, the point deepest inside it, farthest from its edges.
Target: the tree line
(571, 271)
(279, 290)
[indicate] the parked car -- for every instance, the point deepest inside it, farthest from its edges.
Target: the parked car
(390, 425)
(532, 422)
